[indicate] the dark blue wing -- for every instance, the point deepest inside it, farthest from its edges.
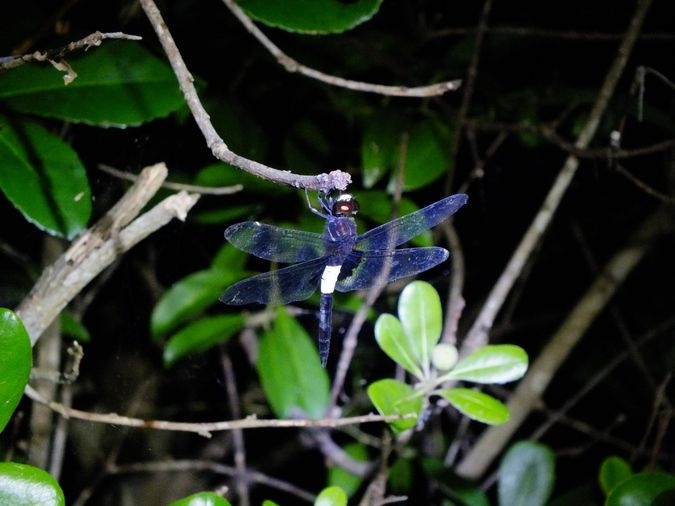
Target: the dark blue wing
(400, 230)
(296, 282)
(361, 270)
(274, 243)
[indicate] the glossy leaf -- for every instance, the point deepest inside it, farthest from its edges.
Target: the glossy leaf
(188, 297)
(43, 178)
(24, 485)
(420, 312)
(497, 363)
(526, 475)
(267, 502)
(331, 496)
(391, 338)
(16, 359)
(311, 16)
(393, 397)
(643, 489)
(477, 405)
(290, 370)
(427, 154)
(118, 84)
(339, 477)
(202, 499)
(200, 336)
(613, 471)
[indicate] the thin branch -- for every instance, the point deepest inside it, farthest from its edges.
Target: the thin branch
(192, 188)
(99, 246)
(478, 333)
(543, 369)
(55, 55)
(292, 65)
(205, 429)
(322, 182)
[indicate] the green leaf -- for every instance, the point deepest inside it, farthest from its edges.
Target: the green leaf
(43, 177)
(74, 328)
(427, 155)
(380, 146)
(391, 338)
(420, 312)
(643, 489)
(188, 297)
(337, 476)
(118, 84)
(393, 397)
(495, 363)
(202, 499)
(200, 336)
(613, 471)
(311, 16)
(290, 370)
(16, 359)
(23, 485)
(267, 502)
(477, 405)
(331, 496)
(526, 475)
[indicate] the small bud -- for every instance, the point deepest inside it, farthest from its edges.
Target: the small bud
(444, 357)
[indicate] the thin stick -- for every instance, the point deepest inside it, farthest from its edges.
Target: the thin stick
(99, 246)
(543, 369)
(205, 429)
(292, 65)
(54, 55)
(322, 182)
(477, 336)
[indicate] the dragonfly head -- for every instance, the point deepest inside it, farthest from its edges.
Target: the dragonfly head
(344, 205)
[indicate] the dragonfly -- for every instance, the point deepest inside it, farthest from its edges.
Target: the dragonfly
(339, 259)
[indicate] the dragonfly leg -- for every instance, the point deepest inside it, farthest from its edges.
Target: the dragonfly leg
(325, 326)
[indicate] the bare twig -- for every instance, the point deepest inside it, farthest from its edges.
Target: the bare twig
(292, 65)
(543, 369)
(323, 182)
(202, 190)
(205, 429)
(99, 247)
(55, 55)
(477, 335)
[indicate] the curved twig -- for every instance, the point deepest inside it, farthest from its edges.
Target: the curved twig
(322, 182)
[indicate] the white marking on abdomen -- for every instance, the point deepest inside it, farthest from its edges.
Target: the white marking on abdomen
(329, 278)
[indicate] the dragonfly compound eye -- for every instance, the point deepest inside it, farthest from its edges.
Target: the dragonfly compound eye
(345, 205)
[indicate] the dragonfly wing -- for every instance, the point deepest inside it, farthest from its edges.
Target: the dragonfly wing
(290, 284)
(362, 270)
(274, 243)
(400, 230)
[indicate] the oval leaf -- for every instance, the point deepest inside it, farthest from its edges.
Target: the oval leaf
(187, 298)
(311, 16)
(15, 363)
(202, 499)
(331, 496)
(44, 178)
(393, 341)
(339, 477)
(200, 336)
(392, 397)
(419, 308)
(290, 370)
(117, 84)
(526, 475)
(613, 471)
(23, 485)
(643, 489)
(495, 363)
(477, 405)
